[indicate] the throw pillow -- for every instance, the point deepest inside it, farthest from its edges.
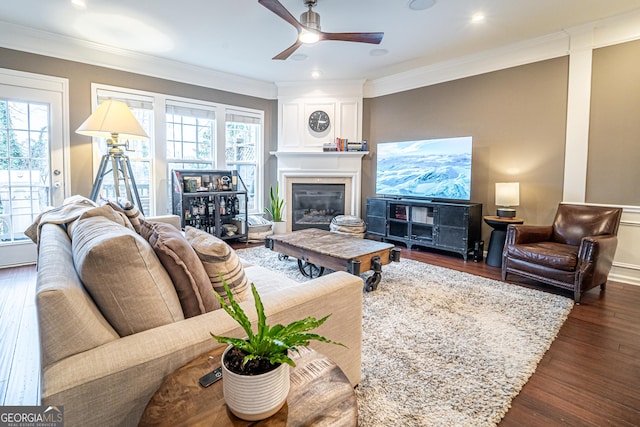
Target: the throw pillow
(218, 260)
(132, 212)
(124, 276)
(183, 265)
(129, 210)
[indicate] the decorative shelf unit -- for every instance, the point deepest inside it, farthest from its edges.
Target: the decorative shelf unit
(448, 226)
(211, 200)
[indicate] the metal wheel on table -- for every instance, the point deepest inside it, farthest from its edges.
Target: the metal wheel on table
(371, 284)
(309, 270)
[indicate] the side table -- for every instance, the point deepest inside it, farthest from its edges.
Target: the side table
(320, 394)
(498, 237)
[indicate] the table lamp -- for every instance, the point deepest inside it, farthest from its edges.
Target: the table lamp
(111, 120)
(507, 195)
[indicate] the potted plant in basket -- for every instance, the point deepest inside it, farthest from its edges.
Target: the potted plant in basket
(255, 369)
(276, 211)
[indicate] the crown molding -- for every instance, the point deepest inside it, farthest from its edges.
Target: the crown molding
(321, 89)
(40, 42)
(606, 32)
(533, 50)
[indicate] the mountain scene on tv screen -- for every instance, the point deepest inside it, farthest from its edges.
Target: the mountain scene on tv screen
(445, 175)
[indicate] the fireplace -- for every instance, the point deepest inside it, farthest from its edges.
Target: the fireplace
(335, 170)
(315, 205)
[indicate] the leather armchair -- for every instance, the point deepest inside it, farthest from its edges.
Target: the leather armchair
(575, 252)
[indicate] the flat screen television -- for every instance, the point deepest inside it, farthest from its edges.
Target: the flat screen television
(434, 169)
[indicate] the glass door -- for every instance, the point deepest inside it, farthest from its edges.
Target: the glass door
(31, 165)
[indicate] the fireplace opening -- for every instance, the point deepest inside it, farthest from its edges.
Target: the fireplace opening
(315, 205)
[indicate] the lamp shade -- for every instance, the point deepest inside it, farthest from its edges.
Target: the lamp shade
(112, 117)
(507, 193)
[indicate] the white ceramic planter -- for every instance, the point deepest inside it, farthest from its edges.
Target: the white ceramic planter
(279, 227)
(255, 397)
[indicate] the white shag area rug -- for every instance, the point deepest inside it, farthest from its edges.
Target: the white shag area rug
(442, 347)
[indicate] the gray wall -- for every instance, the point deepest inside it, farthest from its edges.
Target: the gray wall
(82, 75)
(613, 174)
(517, 118)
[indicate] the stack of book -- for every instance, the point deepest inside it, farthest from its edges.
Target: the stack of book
(343, 144)
(329, 146)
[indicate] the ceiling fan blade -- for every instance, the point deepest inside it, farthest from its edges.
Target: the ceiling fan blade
(276, 7)
(373, 38)
(288, 51)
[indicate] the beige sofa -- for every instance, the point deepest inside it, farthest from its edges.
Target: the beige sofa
(104, 379)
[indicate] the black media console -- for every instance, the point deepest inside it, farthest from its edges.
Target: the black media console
(448, 226)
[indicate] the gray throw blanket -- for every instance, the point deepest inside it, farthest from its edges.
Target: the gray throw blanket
(69, 211)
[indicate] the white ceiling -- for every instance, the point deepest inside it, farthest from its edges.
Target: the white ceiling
(240, 36)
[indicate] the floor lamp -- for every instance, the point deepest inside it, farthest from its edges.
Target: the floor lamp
(114, 120)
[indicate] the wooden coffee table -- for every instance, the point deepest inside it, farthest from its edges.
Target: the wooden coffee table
(316, 249)
(320, 395)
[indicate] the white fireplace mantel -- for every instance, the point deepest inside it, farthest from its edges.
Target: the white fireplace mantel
(317, 167)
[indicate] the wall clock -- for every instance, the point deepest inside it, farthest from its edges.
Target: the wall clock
(319, 121)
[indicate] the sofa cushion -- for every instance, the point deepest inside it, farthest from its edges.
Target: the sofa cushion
(183, 265)
(219, 260)
(549, 254)
(68, 319)
(107, 211)
(124, 276)
(268, 281)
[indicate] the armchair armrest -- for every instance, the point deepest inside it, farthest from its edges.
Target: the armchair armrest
(518, 233)
(595, 258)
(592, 247)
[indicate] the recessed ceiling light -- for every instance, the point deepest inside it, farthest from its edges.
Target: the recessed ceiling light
(316, 74)
(421, 4)
(378, 52)
(478, 17)
(299, 57)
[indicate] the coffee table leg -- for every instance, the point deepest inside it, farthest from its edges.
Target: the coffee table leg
(372, 281)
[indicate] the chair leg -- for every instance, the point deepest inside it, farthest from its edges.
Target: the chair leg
(504, 274)
(603, 286)
(576, 296)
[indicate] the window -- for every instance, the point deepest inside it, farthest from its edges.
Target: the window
(24, 166)
(191, 137)
(140, 152)
(188, 134)
(243, 140)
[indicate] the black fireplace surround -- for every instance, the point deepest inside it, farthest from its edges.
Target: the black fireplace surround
(315, 205)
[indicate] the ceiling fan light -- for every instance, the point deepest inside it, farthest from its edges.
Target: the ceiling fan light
(308, 37)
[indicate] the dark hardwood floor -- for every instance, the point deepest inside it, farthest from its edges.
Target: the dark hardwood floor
(589, 377)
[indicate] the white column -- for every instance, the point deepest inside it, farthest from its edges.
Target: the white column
(578, 112)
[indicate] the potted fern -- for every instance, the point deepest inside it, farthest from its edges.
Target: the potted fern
(275, 209)
(255, 369)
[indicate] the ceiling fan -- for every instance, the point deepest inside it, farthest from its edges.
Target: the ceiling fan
(309, 28)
